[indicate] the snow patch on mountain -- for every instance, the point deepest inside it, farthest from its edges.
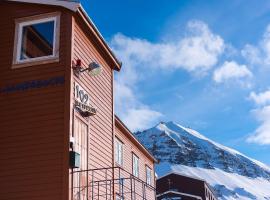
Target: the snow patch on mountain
(183, 150)
(229, 185)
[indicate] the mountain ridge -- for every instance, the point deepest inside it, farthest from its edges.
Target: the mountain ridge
(180, 148)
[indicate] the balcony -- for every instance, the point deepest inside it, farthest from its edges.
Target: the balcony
(106, 183)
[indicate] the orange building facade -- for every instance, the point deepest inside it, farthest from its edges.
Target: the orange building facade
(59, 136)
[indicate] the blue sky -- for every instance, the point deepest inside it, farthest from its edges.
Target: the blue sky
(203, 64)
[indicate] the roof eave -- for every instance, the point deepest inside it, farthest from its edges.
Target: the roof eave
(71, 5)
(77, 8)
(122, 125)
(101, 39)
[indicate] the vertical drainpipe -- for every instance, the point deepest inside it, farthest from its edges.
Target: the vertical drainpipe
(113, 134)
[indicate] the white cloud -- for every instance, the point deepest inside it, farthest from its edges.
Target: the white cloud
(196, 52)
(262, 114)
(259, 54)
(262, 133)
(261, 98)
(134, 113)
(252, 54)
(139, 119)
(265, 43)
(231, 70)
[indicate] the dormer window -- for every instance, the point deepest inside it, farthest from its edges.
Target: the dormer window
(36, 40)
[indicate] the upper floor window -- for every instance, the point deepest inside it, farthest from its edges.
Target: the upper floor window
(135, 165)
(36, 39)
(148, 175)
(118, 152)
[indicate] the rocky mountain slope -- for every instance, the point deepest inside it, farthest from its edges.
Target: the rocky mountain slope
(232, 174)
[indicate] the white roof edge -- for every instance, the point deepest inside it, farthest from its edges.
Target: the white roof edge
(71, 5)
(99, 33)
(180, 174)
(75, 6)
(179, 193)
(192, 177)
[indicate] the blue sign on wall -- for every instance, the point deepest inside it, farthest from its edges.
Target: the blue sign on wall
(28, 85)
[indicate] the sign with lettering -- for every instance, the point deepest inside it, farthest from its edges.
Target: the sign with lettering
(82, 100)
(33, 84)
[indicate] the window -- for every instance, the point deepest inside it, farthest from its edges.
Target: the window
(148, 175)
(135, 165)
(118, 152)
(36, 39)
(119, 197)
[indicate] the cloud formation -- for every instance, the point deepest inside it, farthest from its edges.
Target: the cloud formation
(262, 133)
(196, 53)
(259, 54)
(262, 113)
(261, 98)
(231, 70)
(134, 113)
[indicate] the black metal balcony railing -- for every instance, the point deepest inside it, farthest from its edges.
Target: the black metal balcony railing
(104, 183)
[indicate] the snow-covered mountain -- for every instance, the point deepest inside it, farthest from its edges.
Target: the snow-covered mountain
(231, 174)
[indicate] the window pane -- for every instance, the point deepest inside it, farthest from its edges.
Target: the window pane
(135, 166)
(37, 40)
(148, 175)
(118, 152)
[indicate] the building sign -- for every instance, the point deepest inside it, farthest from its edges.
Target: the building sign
(33, 84)
(82, 101)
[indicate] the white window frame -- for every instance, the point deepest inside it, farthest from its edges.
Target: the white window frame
(148, 171)
(119, 152)
(20, 24)
(135, 169)
(118, 197)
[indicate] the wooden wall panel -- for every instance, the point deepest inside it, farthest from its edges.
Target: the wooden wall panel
(101, 97)
(32, 123)
(129, 149)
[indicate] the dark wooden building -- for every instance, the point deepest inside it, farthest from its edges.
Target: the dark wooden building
(177, 186)
(57, 121)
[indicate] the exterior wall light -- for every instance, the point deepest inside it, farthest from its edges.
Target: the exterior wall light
(93, 68)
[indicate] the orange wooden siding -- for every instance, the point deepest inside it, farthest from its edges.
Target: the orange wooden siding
(36, 124)
(129, 148)
(31, 121)
(101, 97)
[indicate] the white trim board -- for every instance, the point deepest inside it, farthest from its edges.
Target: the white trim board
(75, 6)
(179, 193)
(69, 4)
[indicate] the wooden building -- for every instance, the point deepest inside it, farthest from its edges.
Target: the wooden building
(181, 187)
(133, 157)
(57, 121)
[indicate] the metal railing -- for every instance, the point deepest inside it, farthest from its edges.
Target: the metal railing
(104, 183)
